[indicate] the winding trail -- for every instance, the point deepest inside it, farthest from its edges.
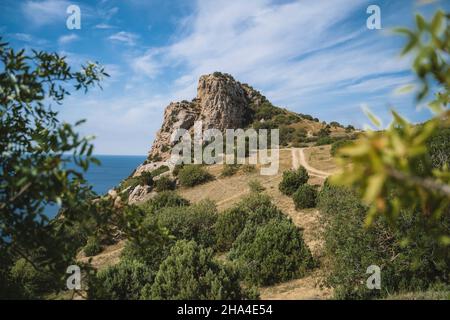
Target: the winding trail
(299, 159)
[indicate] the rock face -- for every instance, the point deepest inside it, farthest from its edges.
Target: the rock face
(221, 103)
(140, 194)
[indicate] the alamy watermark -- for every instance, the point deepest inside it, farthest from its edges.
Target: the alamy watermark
(74, 19)
(374, 280)
(209, 147)
(374, 20)
(73, 282)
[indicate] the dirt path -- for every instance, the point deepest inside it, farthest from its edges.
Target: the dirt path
(305, 288)
(298, 158)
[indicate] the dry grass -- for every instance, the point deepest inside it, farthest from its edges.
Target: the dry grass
(108, 257)
(320, 158)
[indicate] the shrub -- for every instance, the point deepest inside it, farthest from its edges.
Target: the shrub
(192, 175)
(337, 145)
(416, 264)
(177, 169)
(165, 199)
(190, 272)
(147, 241)
(195, 222)
(92, 247)
(292, 180)
(145, 179)
(228, 227)
(29, 282)
(248, 168)
(164, 184)
(256, 186)
(271, 252)
(159, 171)
(123, 281)
(229, 170)
(325, 140)
(439, 148)
(305, 197)
(286, 135)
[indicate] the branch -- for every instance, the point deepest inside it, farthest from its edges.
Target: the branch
(427, 183)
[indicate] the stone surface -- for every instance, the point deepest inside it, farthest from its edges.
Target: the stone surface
(140, 194)
(221, 103)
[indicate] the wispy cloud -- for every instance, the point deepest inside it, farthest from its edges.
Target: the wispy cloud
(104, 26)
(45, 12)
(68, 39)
(124, 37)
(29, 39)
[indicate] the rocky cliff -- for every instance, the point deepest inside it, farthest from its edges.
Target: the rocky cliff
(221, 103)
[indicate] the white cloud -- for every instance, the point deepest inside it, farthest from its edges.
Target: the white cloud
(68, 39)
(40, 13)
(104, 26)
(125, 37)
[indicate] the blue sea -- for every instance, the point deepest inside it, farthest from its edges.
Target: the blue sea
(111, 171)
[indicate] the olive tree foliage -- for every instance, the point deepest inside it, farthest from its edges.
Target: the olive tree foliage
(391, 169)
(35, 148)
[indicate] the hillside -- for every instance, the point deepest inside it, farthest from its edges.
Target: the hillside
(224, 103)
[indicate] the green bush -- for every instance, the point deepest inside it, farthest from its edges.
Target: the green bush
(30, 283)
(177, 169)
(228, 227)
(337, 145)
(325, 140)
(190, 272)
(256, 208)
(272, 252)
(292, 180)
(195, 222)
(145, 179)
(305, 197)
(164, 184)
(192, 175)
(248, 168)
(147, 241)
(410, 260)
(255, 186)
(439, 148)
(123, 281)
(229, 170)
(165, 199)
(92, 247)
(159, 171)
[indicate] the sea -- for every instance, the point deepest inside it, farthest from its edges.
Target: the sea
(111, 171)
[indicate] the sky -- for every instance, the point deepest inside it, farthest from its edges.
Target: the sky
(313, 57)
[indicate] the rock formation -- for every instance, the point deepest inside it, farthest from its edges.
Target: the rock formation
(221, 103)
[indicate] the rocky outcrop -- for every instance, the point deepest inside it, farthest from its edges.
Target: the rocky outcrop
(141, 194)
(221, 103)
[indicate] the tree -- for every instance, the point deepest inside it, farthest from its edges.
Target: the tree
(271, 252)
(35, 148)
(305, 197)
(391, 169)
(292, 180)
(190, 272)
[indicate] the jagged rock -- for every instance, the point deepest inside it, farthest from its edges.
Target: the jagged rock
(221, 103)
(140, 194)
(118, 203)
(178, 115)
(112, 193)
(149, 167)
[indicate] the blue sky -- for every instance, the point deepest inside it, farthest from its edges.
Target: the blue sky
(314, 57)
